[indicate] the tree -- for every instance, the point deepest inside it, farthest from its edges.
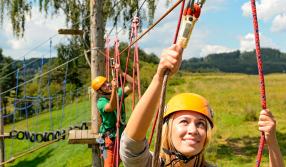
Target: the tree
(6, 81)
(76, 12)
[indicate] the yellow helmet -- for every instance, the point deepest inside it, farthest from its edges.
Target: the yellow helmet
(98, 82)
(189, 102)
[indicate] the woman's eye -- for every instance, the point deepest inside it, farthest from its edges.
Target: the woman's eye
(201, 124)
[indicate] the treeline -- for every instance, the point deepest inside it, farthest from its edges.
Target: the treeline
(274, 61)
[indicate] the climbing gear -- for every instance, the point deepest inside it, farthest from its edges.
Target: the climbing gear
(179, 156)
(107, 58)
(102, 148)
(261, 77)
(118, 80)
(112, 64)
(189, 102)
(136, 68)
(98, 82)
(190, 17)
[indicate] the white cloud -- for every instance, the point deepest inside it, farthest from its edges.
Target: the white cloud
(210, 49)
(266, 9)
(247, 42)
(279, 23)
(17, 43)
(214, 5)
(269, 10)
(38, 29)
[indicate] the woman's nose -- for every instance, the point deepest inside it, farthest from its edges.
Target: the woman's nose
(192, 129)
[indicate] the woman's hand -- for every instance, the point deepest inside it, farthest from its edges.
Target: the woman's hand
(170, 59)
(113, 84)
(267, 124)
(117, 67)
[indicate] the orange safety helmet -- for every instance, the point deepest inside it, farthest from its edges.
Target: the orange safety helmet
(189, 102)
(98, 82)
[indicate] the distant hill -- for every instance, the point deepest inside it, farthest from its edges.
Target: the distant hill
(274, 61)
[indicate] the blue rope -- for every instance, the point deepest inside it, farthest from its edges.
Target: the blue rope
(64, 95)
(49, 90)
(26, 108)
(33, 97)
(14, 112)
(39, 93)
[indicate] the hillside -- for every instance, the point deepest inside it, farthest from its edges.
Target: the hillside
(274, 61)
(233, 97)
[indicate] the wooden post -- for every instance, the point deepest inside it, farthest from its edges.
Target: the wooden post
(70, 32)
(2, 144)
(97, 26)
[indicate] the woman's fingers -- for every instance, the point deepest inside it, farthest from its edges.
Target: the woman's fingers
(267, 124)
(170, 59)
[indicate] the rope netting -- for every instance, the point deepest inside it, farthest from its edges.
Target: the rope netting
(29, 105)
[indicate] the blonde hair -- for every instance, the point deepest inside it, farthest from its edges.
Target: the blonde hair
(168, 144)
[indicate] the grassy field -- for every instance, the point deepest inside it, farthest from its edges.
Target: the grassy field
(235, 99)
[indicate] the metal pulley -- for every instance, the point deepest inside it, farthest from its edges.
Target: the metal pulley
(190, 17)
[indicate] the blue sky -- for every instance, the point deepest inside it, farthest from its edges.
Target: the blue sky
(224, 26)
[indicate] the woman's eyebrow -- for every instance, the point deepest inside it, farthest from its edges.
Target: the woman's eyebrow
(202, 119)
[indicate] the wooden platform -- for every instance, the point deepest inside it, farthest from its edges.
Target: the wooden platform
(5, 135)
(82, 137)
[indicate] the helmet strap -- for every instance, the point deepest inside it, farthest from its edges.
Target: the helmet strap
(179, 156)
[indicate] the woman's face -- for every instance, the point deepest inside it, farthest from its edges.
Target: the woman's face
(189, 132)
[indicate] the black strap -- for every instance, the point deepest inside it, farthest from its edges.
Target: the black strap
(179, 156)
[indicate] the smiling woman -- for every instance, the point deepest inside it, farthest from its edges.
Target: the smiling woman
(186, 130)
(188, 123)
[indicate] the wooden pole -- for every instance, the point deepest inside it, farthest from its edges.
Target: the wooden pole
(97, 67)
(70, 31)
(2, 144)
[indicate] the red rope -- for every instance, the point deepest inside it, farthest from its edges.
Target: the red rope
(179, 22)
(133, 85)
(107, 59)
(118, 102)
(174, 42)
(261, 77)
(136, 55)
(121, 100)
(153, 128)
(135, 67)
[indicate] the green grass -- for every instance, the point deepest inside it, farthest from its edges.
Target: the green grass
(235, 99)
(58, 154)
